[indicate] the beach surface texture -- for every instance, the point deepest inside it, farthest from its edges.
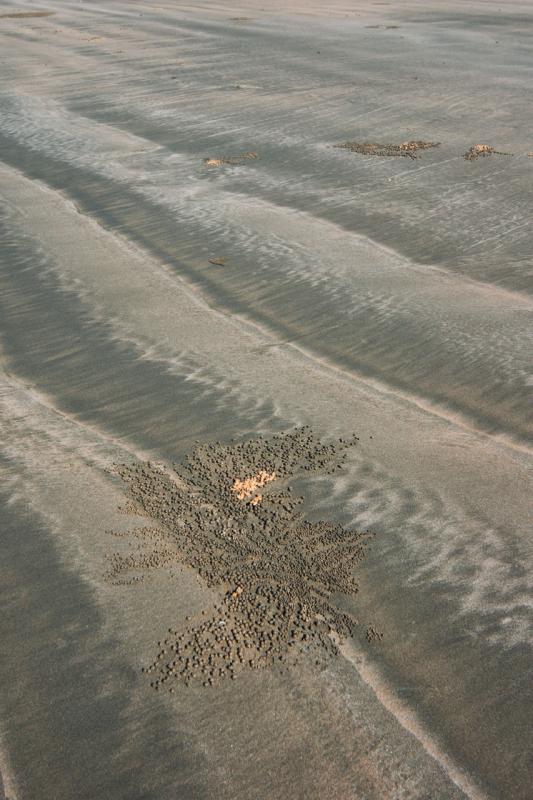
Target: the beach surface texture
(266, 293)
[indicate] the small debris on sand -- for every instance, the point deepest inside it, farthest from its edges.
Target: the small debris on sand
(277, 573)
(218, 262)
(233, 160)
(407, 149)
(483, 150)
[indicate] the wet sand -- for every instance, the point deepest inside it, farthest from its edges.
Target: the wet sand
(151, 302)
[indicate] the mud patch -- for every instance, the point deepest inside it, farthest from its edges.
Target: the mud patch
(277, 573)
(482, 150)
(406, 149)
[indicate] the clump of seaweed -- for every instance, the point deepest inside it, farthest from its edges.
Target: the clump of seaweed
(406, 149)
(482, 150)
(277, 573)
(218, 161)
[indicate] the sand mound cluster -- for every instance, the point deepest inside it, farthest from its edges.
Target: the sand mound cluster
(234, 160)
(407, 149)
(276, 572)
(482, 150)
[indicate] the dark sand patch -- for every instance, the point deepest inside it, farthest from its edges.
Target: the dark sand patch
(407, 149)
(26, 14)
(482, 150)
(278, 573)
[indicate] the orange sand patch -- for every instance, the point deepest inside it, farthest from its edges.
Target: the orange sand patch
(245, 488)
